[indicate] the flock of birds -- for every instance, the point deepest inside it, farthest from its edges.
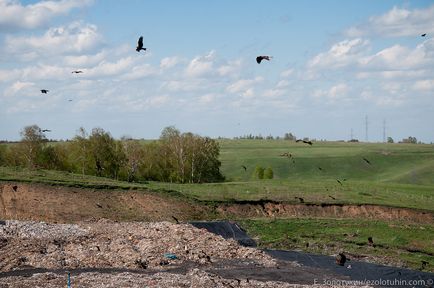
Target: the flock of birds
(140, 48)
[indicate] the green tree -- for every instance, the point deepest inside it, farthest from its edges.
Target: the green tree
(268, 173)
(32, 143)
(390, 140)
(259, 172)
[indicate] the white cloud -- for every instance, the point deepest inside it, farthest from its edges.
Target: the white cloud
(243, 84)
(19, 86)
(201, 65)
(169, 62)
(13, 15)
(342, 54)
(232, 68)
(77, 37)
(424, 85)
(397, 22)
(287, 73)
(106, 68)
(335, 93)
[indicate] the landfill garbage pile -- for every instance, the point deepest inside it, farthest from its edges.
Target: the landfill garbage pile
(140, 254)
(106, 243)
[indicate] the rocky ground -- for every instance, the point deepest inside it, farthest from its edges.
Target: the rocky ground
(138, 254)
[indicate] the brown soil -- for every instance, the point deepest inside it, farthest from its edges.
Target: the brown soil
(272, 209)
(61, 204)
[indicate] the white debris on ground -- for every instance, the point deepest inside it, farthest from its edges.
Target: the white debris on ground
(151, 247)
(106, 243)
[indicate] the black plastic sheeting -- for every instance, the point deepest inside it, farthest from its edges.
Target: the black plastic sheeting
(358, 272)
(228, 230)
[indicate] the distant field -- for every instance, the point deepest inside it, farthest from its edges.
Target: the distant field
(400, 175)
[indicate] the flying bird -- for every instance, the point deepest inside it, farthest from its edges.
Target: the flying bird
(423, 35)
(332, 197)
(46, 130)
(260, 58)
(367, 161)
(244, 167)
(140, 44)
(77, 71)
(44, 91)
(176, 219)
(339, 181)
(69, 100)
(304, 141)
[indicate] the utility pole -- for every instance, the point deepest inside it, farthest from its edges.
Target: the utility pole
(384, 130)
(351, 137)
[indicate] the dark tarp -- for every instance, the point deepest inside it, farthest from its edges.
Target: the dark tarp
(378, 275)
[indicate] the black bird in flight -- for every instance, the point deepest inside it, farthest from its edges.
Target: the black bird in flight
(46, 130)
(69, 100)
(367, 161)
(44, 91)
(260, 58)
(304, 141)
(339, 181)
(176, 219)
(423, 35)
(77, 71)
(140, 44)
(319, 168)
(332, 197)
(244, 167)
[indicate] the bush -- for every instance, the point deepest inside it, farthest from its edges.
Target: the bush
(268, 173)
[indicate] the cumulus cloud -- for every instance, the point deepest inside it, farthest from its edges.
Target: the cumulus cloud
(19, 86)
(76, 37)
(335, 93)
(244, 84)
(169, 62)
(397, 22)
(201, 65)
(15, 16)
(341, 54)
(424, 85)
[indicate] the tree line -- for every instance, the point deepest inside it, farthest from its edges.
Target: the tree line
(174, 157)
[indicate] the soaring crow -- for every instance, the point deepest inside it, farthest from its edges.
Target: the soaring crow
(44, 91)
(140, 44)
(304, 141)
(339, 181)
(260, 58)
(423, 35)
(77, 71)
(332, 197)
(46, 130)
(244, 167)
(176, 219)
(367, 161)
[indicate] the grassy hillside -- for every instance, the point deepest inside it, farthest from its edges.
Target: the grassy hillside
(399, 163)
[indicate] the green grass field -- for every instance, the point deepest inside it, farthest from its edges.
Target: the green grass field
(394, 242)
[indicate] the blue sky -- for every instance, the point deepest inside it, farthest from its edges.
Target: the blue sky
(334, 63)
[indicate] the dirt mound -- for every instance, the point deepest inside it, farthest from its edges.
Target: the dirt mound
(272, 209)
(69, 204)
